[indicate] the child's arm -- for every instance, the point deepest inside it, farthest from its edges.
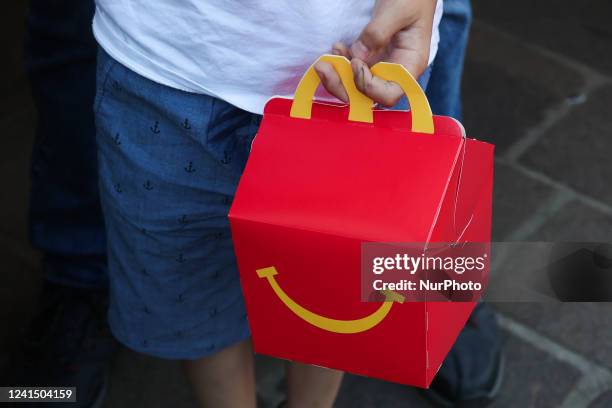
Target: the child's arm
(400, 32)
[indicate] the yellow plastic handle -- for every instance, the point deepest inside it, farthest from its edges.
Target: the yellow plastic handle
(422, 118)
(360, 105)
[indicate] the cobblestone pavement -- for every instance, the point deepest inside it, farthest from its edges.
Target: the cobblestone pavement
(538, 83)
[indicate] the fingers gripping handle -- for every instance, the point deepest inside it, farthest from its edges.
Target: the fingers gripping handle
(422, 119)
(360, 105)
(360, 109)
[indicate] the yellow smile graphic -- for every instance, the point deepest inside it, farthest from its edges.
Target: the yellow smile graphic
(325, 323)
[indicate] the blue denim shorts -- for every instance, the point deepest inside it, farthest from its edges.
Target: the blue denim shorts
(169, 163)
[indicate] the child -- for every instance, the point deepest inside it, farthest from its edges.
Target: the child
(181, 85)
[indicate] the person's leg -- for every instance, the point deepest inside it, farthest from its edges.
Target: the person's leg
(68, 342)
(310, 386)
(65, 218)
(472, 371)
(444, 88)
(209, 377)
(169, 163)
(166, 189)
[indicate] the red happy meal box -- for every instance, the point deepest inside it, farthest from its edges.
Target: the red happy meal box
(324, 178)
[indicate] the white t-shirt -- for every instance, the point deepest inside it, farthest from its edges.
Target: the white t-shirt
(241, 51)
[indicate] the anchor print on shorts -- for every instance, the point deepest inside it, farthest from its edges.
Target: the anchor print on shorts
(155, 128)
(189, 168)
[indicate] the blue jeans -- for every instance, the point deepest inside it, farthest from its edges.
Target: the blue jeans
(65, 216)
(444, 90)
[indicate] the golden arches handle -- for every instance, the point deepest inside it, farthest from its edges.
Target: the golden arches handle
(422, 118)
(360, 105)
(326, 323)
(360, 109)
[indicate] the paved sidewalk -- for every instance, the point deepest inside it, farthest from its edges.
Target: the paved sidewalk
(538, 83)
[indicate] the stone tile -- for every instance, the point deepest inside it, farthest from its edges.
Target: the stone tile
(516, 197)
(362, 392)
(507, 88)
(141, 381)
(579, 30)
(603, 401)
(582, 327)
(520, 272)
(577, 150)
(533, 378)
(576, 222)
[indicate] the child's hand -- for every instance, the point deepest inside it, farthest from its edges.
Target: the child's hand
(400, 32)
